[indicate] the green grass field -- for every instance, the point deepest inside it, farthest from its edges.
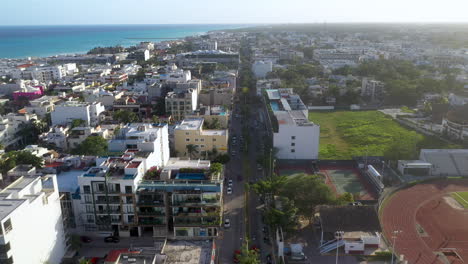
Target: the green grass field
(344, 134)
(461, 197)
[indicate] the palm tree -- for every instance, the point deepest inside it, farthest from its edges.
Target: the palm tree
(191, 149)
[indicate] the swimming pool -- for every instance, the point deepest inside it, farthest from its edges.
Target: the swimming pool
(274, 106)
(190, 176)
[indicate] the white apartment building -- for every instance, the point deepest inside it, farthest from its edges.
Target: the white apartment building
(262, 68)
(45, 73)
(71, 110)
(108, 192)
(180, 104)
(41, 106)
(10, 124)
(31, 222)
(169, 73)
(56, 136)
(296, 137)
(143, 137)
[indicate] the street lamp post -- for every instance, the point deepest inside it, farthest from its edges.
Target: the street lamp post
(338, 236)
(395, 233)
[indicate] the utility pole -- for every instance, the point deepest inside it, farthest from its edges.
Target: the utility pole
(395, 233)
(339, 236)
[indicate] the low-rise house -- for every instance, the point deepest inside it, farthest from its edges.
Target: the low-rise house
(191, 132)
(42, 106)
(79, 134)
(56, 137)
(29, 92)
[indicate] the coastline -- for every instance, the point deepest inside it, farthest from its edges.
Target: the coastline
(22, 42)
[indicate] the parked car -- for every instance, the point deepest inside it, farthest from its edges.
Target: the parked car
(229, 190)
(112, 239)
(227, 223)
(85, 239)
(230, 183)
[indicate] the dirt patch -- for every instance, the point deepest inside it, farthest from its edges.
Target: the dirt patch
(453, 203)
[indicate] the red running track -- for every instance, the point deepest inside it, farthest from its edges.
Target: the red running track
(442, 226)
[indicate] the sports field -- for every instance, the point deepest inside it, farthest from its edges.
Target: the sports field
(432, 230)
(348, 180)
(346, 134)
(461, 197)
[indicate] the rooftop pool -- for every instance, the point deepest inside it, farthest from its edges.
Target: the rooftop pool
(274, 106)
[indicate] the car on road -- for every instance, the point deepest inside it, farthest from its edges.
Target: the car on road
(230, 183)
(229, 190)
(259, 167)
(227, 223)
(233, 153)
(112, 239)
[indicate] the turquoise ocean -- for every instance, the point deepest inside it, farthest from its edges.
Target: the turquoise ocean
(41, 41)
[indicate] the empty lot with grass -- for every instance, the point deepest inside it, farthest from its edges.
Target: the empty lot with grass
(344, 134)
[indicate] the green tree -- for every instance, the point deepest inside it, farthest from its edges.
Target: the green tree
(403, 149)
(307, 191)
(345, 198)
(191, 150)
(77, 123)
(13, 158)
(124, 116)
(222, 158)
(92, 146)
(216, 168)
(248, 256)
(269, 186)
(285, 216)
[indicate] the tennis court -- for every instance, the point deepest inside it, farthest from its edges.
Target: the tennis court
(347, 180)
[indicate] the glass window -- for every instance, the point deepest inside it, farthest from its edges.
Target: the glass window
(87, 189)
(293, 150)
(128, 189)
(7, 226)
(187, 139)
(293, 144)
(293, 137)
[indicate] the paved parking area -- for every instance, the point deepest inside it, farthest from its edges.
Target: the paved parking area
(98, 248)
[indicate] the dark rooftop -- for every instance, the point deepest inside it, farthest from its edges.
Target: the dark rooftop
(349, 218)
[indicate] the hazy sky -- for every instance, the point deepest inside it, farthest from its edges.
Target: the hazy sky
(49, 12)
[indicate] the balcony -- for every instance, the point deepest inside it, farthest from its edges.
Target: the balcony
(197, 202)
(150, 213)
(150, 203)
(196, 222)
(146, 221)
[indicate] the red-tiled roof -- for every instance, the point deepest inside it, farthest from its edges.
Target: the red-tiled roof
(54, 164)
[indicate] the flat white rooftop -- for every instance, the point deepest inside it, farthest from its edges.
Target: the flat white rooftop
(190, 124)
(177, 163)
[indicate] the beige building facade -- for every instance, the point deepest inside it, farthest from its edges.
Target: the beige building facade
(191, 132)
